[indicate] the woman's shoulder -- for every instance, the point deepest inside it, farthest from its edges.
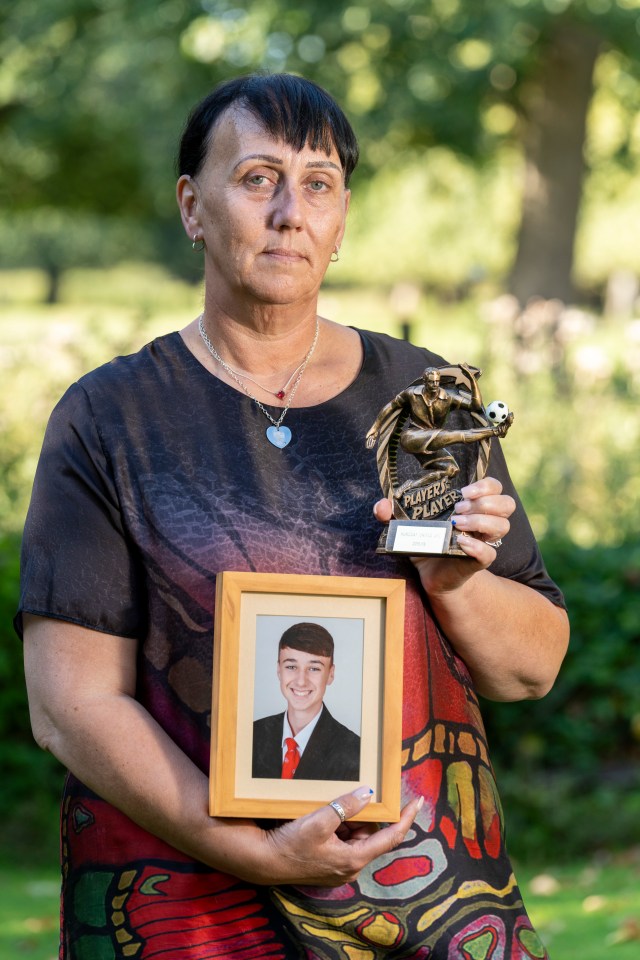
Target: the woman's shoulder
(393, 361)
(158, 357)
(130, 381)
(394, 349)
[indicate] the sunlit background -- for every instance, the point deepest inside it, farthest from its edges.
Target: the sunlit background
(494, 219)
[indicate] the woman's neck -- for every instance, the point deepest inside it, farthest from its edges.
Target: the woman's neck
(262, 342)
(266, 357)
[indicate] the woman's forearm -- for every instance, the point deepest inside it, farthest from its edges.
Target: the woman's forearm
(512, 638)
(81, 694)
(116, 748)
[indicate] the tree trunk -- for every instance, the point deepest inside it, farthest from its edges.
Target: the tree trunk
(53, 282)
(556, 108)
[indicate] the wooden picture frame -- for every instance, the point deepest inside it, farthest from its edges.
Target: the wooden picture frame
(366, 616)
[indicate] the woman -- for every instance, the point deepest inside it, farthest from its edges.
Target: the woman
(239, 444)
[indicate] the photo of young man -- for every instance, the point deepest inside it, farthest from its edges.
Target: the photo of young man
(305, 742)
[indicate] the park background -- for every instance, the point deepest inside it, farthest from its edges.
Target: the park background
(494, 218)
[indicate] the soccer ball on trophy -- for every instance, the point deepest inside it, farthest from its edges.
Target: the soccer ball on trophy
(497, 412)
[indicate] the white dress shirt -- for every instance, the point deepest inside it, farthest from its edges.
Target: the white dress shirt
(302, 736)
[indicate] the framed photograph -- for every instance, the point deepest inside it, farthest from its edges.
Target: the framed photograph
(307, 694)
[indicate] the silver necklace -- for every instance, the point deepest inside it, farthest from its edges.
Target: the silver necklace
(280, 394)
(277, 434)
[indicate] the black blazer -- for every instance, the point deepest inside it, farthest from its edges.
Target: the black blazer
(333, 751)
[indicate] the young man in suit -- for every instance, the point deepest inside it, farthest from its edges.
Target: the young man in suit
(305, 742)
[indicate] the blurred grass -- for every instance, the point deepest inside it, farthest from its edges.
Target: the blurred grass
(586, 911)
(29, 907)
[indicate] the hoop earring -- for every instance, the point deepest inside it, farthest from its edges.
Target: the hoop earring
(197, 240)
(335, 256)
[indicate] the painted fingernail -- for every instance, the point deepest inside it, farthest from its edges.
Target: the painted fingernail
(363, 793)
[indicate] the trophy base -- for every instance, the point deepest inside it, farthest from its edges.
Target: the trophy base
(419, 538)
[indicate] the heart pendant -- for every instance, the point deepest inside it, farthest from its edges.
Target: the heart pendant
(278, 436)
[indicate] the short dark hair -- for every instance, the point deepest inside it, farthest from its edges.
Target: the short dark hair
(309, 637)
(292, 108)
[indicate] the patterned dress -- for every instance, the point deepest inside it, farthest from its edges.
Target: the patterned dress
(154, 477)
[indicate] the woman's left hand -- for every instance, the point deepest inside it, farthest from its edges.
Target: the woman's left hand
(511, 637)
(480, 519)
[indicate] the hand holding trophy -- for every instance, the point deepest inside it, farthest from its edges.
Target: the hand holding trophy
(424, 420)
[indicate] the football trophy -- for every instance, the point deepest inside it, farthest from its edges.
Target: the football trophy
(441, 409)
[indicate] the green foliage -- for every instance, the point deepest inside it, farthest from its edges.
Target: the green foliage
(93, 96)
(598, 696)
(576, 465)
(565, 816)
(86, 137)
(585, 734)
(12, 701)
(592, 715)
(427, 220)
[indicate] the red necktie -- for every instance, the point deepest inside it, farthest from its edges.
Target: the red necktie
(291, 759)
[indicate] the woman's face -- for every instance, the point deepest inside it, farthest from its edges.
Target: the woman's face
(270, 216)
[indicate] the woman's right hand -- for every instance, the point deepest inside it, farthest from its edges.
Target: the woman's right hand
(309, 852)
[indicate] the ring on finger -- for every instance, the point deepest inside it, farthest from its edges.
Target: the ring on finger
(339, 809)
(494, 543)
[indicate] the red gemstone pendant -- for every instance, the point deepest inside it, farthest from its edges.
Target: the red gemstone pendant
(280, 394)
